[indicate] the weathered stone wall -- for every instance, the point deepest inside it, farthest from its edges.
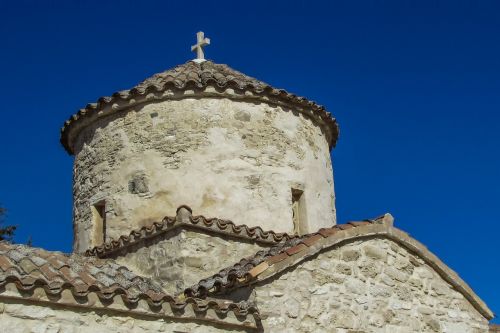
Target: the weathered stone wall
(181, 260)
(31, 318)
(372, 286)
(224, 158)
(367, 286)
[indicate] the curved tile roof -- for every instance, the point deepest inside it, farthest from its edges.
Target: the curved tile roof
(197, 76)
(201, 74)
(268, 263)
(185, 219)
(241, 273)
(32, 268)
(237, 274)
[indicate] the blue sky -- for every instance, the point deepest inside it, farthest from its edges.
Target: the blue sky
(414, 86)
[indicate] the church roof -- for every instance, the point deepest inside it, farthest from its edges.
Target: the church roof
(285, 251)
(269, 262)
(51, 276)
(184, 219)
(29, 270)
(201, 74)
(197, 76)
(31, 267)
(242, 272)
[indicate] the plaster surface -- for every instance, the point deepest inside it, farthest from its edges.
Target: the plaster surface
(224, 158)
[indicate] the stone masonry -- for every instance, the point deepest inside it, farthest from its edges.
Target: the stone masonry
(371, 286)
(42, 318)
(178, 261)
(230, 159)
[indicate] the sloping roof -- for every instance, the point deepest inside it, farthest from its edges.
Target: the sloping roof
(201, 74)
(198, 76)
(184, 219)
(267, 263)
(30, 269)
(242, 272)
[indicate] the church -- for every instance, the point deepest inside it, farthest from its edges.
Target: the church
(203, 201)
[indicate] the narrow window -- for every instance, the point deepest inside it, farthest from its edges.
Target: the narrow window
(99, 222)
(298, 213)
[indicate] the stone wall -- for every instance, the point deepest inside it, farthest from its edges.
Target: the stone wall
(224, 158)
(27, 317)
(182, 259)
(366, 286)
(372, 286)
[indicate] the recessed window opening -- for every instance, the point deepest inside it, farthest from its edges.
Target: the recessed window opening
(99, 222)
(298, 212)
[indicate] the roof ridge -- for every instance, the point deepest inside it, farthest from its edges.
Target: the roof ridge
(184, 218)
(246, 269)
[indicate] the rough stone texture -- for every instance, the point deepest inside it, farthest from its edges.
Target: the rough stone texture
(365, 286)
(31, 318)
(180, 260)
(224, 158)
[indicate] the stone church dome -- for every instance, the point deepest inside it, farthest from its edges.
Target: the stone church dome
(205, 135)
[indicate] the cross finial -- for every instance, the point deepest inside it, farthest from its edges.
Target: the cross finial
(201, 41)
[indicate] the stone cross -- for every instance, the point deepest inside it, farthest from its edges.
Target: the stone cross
(200, 43)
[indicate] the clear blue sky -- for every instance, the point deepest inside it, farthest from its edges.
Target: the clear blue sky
(415, 86)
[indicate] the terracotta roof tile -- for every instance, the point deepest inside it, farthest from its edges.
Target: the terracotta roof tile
(359, 223)
(277, 258)
(296, 249)
(258, 269)
(49, 272)
(311, 240)
(27, 268)
(155, 229)
(4, 263)
(231, 276)
(345, 226)
(192, 75)
(239, 274)
(4, 246)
